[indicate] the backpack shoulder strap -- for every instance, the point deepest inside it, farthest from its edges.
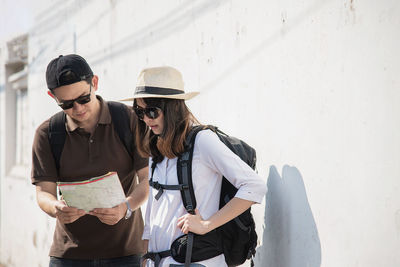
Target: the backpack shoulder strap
(57, 134)
(184, 171)
(161, 187)
(121, 121)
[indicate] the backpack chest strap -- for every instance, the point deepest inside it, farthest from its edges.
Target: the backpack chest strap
(162, 187)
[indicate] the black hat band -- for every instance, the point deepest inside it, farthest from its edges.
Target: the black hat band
(157, 90)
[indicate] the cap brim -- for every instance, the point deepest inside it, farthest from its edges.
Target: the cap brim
(185, 96)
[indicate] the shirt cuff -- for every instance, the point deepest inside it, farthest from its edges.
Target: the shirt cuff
(146, 233)
(255, 196)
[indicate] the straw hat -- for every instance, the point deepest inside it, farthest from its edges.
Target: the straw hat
(161, 82)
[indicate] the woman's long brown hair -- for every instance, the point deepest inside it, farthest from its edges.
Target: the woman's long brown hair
(177, 122)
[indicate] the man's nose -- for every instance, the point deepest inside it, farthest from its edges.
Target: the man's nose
(78, 106)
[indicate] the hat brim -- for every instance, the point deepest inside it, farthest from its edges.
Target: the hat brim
(185, 96)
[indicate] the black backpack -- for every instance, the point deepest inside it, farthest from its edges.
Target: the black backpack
(237, 239)
(120, 119)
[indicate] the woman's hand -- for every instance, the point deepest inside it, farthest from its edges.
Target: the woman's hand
(193, 223)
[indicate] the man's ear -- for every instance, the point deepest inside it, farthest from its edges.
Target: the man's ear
(95, 82)
(50, 94)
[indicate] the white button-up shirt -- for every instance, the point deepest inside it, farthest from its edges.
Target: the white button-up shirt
(211, 160)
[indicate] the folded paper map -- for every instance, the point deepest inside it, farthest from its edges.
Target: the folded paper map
(99, 192)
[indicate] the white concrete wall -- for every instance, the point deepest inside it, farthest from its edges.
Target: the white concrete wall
(312, 85)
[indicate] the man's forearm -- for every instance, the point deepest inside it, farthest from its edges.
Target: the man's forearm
(139, 195)
(46, 202)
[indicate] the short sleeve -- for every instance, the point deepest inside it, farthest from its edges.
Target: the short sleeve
(43, 163)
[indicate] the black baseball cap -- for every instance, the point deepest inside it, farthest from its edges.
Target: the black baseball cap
(58, 66)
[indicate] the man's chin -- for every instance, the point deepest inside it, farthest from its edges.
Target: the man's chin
(79, 119)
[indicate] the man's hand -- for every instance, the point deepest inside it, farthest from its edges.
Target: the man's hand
(46, 195)
(67, 214)
(110, 216)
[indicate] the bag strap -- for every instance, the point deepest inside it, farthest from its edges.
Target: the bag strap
(57, 135)
(121, 121)
(184, 171)
(156, 256)
(162, 187)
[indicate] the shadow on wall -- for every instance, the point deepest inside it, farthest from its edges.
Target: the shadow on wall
(174, 21)
(290, 236)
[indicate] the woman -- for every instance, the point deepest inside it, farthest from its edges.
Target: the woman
(165, 121)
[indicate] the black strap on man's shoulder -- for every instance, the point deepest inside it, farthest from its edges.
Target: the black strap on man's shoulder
(122, 124)
(120, 118)
(57, 135)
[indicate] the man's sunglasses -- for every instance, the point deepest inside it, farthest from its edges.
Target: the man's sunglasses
(150, 112)
(67, 104)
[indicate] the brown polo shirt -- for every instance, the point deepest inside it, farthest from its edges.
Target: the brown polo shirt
(85, 156)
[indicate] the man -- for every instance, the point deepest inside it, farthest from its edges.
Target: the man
(92, 147)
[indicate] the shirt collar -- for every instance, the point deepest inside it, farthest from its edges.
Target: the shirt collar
(104, 118)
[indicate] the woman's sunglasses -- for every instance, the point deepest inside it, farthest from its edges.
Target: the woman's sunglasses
(150, 112)
(84, 99)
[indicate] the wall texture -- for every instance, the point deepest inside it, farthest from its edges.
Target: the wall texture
(312, 85)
